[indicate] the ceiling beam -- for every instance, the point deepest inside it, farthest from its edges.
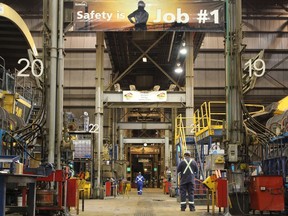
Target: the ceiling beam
(139, 58)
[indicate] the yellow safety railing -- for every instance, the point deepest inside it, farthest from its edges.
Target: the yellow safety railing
(180, 128)
(207, 118)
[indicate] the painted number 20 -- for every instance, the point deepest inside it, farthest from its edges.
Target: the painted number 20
(35, 63)
(257, 68)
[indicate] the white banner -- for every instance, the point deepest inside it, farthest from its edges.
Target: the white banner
(138, 96)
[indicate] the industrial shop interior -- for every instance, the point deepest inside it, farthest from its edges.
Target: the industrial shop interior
(143, 108)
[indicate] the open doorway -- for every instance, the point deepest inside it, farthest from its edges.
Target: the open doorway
(146, 160)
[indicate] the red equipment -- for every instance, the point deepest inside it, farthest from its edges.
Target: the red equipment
(108, 188)
(72, 193)
(167, 186)
(221, 193)
(267, 193)
(45, 198)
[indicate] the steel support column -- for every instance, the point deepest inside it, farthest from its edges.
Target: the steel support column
(99, 104)
(166, 149)
(234, 95)
(233, 72)
(53, 7)
(173, 117)
(189, 84)
(60, 81)
(121, 145)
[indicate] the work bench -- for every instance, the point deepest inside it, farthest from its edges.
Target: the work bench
(23, 179)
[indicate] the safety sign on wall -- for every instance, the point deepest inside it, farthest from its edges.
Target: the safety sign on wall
(149, 15)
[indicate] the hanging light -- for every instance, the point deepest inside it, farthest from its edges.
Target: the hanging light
(183, 49)
(178, 68)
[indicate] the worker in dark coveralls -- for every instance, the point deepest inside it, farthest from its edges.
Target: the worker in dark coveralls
(139, 17)
(187, 169)
(140, 182)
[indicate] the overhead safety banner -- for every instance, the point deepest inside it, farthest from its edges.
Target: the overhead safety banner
(138, 96)
(149, 15)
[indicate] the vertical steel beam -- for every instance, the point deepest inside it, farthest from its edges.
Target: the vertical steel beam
(2, 195)
(60, 81)
(173, 117)
(121, 146)
(113, 139)
(99, 104)
(53, 16)
(234, 94)
(166, 148)
(189, 83)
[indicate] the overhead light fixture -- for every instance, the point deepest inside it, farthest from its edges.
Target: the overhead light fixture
(145, 144)
(156, 88)
(132, 87)
(144, 59)
(183, 49)
(172, 87)
(117, 87)
(178, 68)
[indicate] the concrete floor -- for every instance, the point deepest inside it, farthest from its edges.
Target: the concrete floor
(152, 203)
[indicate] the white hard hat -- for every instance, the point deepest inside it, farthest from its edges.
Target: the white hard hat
(187, 153)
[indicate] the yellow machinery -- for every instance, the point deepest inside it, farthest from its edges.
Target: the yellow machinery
(279, 122)
(219, 190)
(210, 183)
(282, 106)
(16, 104)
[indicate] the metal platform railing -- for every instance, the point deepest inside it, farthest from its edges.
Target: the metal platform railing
(180, 128)
(209, 117)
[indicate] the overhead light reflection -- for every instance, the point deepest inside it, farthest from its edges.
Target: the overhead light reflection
(178, 68)
(183, 49)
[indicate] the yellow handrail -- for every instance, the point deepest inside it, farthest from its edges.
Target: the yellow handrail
(180, 127)
(206, 118)
(180, 132)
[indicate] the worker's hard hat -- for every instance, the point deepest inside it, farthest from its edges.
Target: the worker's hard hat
(141, 4)
(188, 153)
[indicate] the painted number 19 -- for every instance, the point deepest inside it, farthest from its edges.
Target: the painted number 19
(257, 68)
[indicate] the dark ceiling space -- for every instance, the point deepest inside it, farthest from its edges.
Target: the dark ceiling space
(125, 48)
(260, 7)
(27, 7)
(13, 44)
